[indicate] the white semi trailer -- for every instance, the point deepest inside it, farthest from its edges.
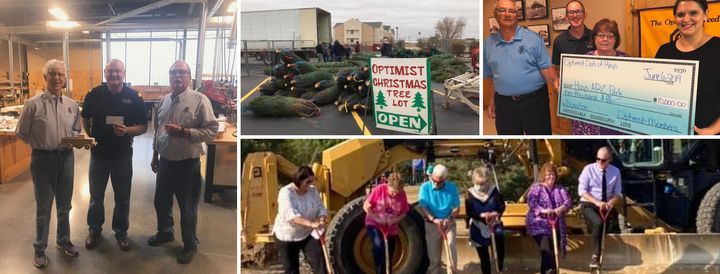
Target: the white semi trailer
(299, 29)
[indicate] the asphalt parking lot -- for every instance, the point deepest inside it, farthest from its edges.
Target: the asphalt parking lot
(458, 119)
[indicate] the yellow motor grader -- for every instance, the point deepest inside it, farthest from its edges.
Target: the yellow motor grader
(669, 179)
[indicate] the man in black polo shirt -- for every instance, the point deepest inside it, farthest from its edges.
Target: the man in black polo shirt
(112, 113)
(578, 39)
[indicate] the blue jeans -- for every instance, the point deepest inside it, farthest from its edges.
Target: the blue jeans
(379, 248)
(182, 179)
(52, 175)
(120, 172)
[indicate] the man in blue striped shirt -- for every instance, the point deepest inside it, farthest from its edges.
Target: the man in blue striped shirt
(600, 189)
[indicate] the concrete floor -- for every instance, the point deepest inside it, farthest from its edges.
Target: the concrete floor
(217, 227)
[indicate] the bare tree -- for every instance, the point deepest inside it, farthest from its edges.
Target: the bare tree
(450, 28)
(421, 42)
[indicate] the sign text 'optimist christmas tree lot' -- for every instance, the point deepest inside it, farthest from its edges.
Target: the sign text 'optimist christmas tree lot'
(401, 94)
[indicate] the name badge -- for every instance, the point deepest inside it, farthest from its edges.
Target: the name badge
(127, 101)
(111, 120)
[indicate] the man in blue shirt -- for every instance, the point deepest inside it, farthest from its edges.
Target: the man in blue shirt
(439, 203)
(518, 63)
(600, 187)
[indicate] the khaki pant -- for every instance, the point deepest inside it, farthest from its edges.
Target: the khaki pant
(435, 247)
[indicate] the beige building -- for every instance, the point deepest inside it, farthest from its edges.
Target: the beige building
(367, 33)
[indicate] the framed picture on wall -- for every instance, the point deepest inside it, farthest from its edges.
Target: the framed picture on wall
(493, 25)
(521, 9)
(543, 30)
(560, 22)
(536, 9)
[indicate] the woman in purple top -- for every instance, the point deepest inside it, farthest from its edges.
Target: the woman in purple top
(547, 200)
(606, 40)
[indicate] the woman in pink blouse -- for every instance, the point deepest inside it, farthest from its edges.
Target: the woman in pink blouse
(385, 207)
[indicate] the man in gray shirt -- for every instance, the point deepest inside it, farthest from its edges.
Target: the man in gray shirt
(183, 121)
(45, 120)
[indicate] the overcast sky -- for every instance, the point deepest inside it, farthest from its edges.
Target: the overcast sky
(410, 16)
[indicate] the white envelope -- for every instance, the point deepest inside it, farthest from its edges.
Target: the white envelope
(111, 120)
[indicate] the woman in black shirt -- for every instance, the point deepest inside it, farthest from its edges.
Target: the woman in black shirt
(695, 44)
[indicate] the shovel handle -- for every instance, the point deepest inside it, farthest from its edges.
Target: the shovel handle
(553, 220)
(387, 252)
(491, 224)
(604, 213)
(555, 247)
(448, 254)
(323, 245)
(441, 231)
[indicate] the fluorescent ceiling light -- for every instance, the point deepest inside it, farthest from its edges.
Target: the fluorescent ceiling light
(86, 31)
(232, 7)
(59, 13)
(63, 24)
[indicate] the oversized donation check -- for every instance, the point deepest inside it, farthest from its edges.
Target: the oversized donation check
(632, 95)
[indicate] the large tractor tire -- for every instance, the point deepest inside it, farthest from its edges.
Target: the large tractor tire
(350, 247)
(708, 215)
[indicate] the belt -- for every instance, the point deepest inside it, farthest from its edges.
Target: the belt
(428, 221)
(57, 151)
(518, 98)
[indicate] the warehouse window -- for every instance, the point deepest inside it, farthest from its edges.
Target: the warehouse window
(148, 55)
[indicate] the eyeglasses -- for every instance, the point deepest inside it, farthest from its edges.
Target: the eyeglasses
(56, 74)
(178, 72)
(609, 36)
(437, 181)
(575, 12)
(602, 160)
(504, 10)
(113, 71)
(692, 13)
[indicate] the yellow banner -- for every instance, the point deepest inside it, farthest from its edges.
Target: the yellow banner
(657, 27)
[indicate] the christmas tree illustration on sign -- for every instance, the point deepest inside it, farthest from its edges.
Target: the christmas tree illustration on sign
(418, 101)
(380, 101)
